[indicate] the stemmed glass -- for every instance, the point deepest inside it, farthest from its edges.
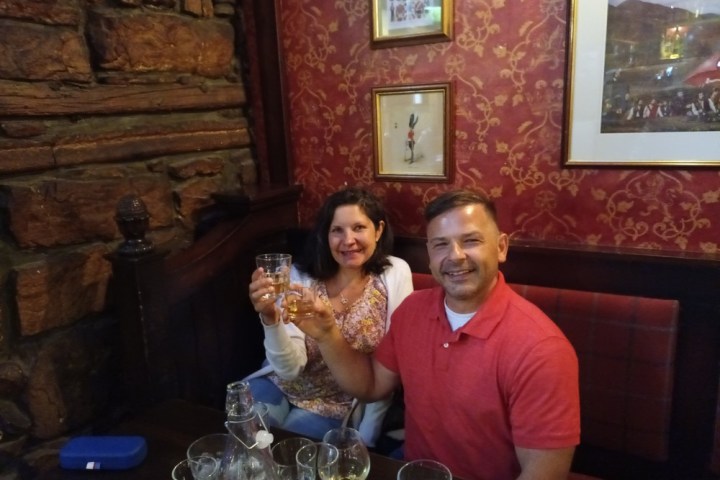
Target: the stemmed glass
(424, 469)
(354, 459)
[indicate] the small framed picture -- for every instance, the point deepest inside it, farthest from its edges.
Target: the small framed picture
(410, 22)
(412, 126)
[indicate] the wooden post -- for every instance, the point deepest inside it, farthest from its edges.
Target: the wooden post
(139, 299)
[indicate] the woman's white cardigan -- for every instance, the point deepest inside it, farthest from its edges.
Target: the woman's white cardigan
(287, 356)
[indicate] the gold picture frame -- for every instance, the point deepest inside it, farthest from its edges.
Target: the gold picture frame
(412, 126)
(635, 69)
(410, 22)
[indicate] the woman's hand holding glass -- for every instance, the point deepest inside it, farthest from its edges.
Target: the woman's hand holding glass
(304, 307)
(269, 281)
(263, 298)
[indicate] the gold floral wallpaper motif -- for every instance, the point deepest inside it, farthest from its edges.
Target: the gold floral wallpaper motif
(506, 64)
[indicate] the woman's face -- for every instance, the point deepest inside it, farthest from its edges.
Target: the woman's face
(352, 236)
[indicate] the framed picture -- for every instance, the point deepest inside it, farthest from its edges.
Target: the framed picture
(409, 22)
(412, 128)
(643, 83)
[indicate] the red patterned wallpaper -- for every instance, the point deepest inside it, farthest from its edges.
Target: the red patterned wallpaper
(506, 64)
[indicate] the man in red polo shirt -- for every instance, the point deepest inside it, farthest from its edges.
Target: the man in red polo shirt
(491, 383)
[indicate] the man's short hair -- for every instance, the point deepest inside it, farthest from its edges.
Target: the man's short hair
(459, 198)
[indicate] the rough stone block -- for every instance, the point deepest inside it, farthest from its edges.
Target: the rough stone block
(193, 7)
(14, 420)
(12, 378)
(48, 213)
(58, 12)
(248, 172)
(185, 169)
(70, 383)
(23, 128)
(35, 52)
(195, 194)
(159, 42)
(61, 289)
(26, 158)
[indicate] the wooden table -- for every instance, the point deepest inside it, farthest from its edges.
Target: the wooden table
(168, 429)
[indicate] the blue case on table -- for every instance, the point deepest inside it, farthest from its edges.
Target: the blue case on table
(103, 452)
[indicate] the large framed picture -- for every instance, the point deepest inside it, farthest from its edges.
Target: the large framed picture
(643, 83)
(409, 22)
(412, 126)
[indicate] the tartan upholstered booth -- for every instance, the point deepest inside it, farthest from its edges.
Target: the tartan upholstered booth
(626, 351)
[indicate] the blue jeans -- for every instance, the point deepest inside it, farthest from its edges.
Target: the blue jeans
(289, 417)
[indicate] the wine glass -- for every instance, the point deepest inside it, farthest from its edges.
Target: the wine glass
(424, 469)
(354, 459)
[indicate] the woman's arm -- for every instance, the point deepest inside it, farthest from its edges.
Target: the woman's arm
(285, 349)
(284, 344)
(357, 373)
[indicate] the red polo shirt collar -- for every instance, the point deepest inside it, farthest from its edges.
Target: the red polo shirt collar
(488, 316)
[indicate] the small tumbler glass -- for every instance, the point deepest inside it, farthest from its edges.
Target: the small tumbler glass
(284, 455)
(277, 267)
(317, 461)
(196, 468)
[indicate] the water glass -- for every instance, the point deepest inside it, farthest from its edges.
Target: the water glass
(196, 468)
(424, 469)
(208, 446)
(317, 460)
(277, 267)
(284, 454)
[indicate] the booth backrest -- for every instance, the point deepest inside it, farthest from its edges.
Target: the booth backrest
(626, 351)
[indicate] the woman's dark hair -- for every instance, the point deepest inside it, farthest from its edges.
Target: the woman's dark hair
(459, 198)
(318, 261)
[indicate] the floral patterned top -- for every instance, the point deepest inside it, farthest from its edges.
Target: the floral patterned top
(363, 326)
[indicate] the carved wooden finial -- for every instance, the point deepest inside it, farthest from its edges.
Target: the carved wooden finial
(133, 220)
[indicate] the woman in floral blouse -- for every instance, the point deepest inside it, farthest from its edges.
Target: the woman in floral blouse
(347, 255)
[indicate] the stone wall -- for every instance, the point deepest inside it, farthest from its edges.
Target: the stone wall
(99, 98)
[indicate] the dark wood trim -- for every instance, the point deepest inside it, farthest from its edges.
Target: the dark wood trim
(276, 167)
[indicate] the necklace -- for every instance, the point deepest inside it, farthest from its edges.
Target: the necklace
(344, 301)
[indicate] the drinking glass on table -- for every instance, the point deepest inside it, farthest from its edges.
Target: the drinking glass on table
(284, 455)
(277, 267)
(196, 468)
(424, 470)
(210, 446)
(317, 460)
(353, 459)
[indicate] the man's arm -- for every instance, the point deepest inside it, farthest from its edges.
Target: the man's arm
(544, 464)
(357, 373)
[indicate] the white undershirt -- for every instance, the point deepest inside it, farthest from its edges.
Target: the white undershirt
(457, 320)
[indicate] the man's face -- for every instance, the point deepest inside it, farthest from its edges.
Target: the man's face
(465, 249)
